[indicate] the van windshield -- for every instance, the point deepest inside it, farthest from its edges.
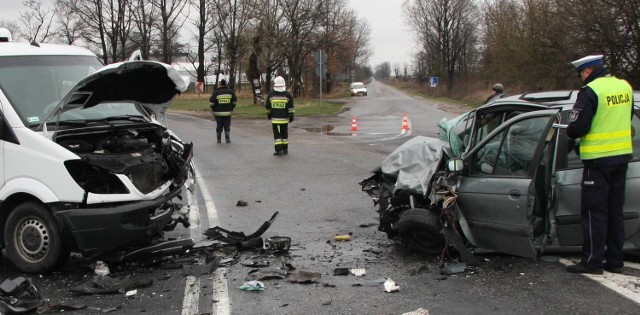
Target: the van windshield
(35, 84)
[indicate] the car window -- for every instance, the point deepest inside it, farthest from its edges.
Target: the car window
(511, 152)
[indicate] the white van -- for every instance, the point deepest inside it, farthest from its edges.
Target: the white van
(86, 162)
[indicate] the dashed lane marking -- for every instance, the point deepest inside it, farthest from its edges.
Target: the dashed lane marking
(620, 283)
(192, 286)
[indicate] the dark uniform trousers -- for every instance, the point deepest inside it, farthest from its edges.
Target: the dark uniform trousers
(281, 137)
(602, 202)
(223, 122)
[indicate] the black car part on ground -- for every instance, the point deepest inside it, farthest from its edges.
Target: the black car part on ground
(19, 295)
(239, 239)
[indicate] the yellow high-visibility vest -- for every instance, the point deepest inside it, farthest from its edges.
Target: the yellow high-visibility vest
(610, 132)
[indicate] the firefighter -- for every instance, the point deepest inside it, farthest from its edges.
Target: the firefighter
(601, 118)
(223, 101)
(279, 106)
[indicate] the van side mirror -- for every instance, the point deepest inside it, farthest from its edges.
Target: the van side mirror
(455, 165)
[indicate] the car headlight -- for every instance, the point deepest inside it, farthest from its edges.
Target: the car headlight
(94, 179)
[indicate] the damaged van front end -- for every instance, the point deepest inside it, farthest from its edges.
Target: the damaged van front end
(88, 163)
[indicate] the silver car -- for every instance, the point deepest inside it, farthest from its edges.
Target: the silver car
(503, 177)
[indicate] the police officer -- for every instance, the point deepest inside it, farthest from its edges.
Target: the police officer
(279, 106)
(601, 118)
(223, 101)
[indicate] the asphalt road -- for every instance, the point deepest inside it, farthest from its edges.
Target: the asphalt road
(315, 190)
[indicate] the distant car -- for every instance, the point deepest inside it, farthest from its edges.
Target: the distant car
(503, 177)
(358, 88)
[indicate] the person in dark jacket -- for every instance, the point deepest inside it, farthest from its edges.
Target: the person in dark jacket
(496, 90)
(279, 106)
(223, 101)
(601, 118)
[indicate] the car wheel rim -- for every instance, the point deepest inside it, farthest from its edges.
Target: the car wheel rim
(33, 240)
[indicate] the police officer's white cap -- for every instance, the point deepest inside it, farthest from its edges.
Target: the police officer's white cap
(587, 62)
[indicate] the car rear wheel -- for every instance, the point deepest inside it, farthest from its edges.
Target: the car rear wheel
(420, 231)
(32, 239)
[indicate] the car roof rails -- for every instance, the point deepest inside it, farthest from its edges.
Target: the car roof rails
(550, 96)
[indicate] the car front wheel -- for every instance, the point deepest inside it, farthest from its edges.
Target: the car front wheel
(32, 239)
(420, 231)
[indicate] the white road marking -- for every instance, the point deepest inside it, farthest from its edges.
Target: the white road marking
(622, 284)
(191, 296)
(192, 287)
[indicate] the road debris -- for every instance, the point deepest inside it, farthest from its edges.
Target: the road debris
(241, 203)
(266, 274)
(301, 276)
(390, 286)
(420, 311)
(108, 284)
(277, 244)
(341, 272)
(343, 237)
(101, 268)
(239, 239)
(48, 307)
(19, 295)
(452, 269)
(252, 286)
(369, 283)
(358, 272)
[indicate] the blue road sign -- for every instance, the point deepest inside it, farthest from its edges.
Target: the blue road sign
(433, 81)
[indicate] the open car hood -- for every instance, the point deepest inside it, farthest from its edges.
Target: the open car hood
(149, 83)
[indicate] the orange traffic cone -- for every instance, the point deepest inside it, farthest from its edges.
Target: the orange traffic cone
(405, 124)
(354, 124)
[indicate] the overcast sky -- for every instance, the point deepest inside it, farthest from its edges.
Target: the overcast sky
(389, 39)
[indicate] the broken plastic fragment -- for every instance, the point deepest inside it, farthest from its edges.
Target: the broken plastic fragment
(302, 276)
(101, 268)
(277, 244)
(453, 269)
(358, 272)
(369, 283)
(19, 295)
(390, 286)
(420, 311)
(268, 274)
(252, 286)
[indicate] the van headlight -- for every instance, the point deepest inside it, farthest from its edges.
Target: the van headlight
(94, 179)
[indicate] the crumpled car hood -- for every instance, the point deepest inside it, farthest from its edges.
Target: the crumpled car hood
(414, 163)
(150, 83)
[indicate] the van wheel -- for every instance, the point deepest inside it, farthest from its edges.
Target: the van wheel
(420, 231)
(32, 239)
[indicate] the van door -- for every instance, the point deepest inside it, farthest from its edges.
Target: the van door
(497, 193)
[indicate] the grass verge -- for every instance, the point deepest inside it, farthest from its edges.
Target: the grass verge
(245, 108)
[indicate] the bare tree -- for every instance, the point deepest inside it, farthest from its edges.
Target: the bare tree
(234, 17)
(611, 27)
(145, 18)
(301, 18)
(171, 21)
(36, 21)
(446, 31)
(69, 27)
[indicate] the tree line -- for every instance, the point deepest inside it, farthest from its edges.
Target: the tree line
(524, 44)
(272, 37)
